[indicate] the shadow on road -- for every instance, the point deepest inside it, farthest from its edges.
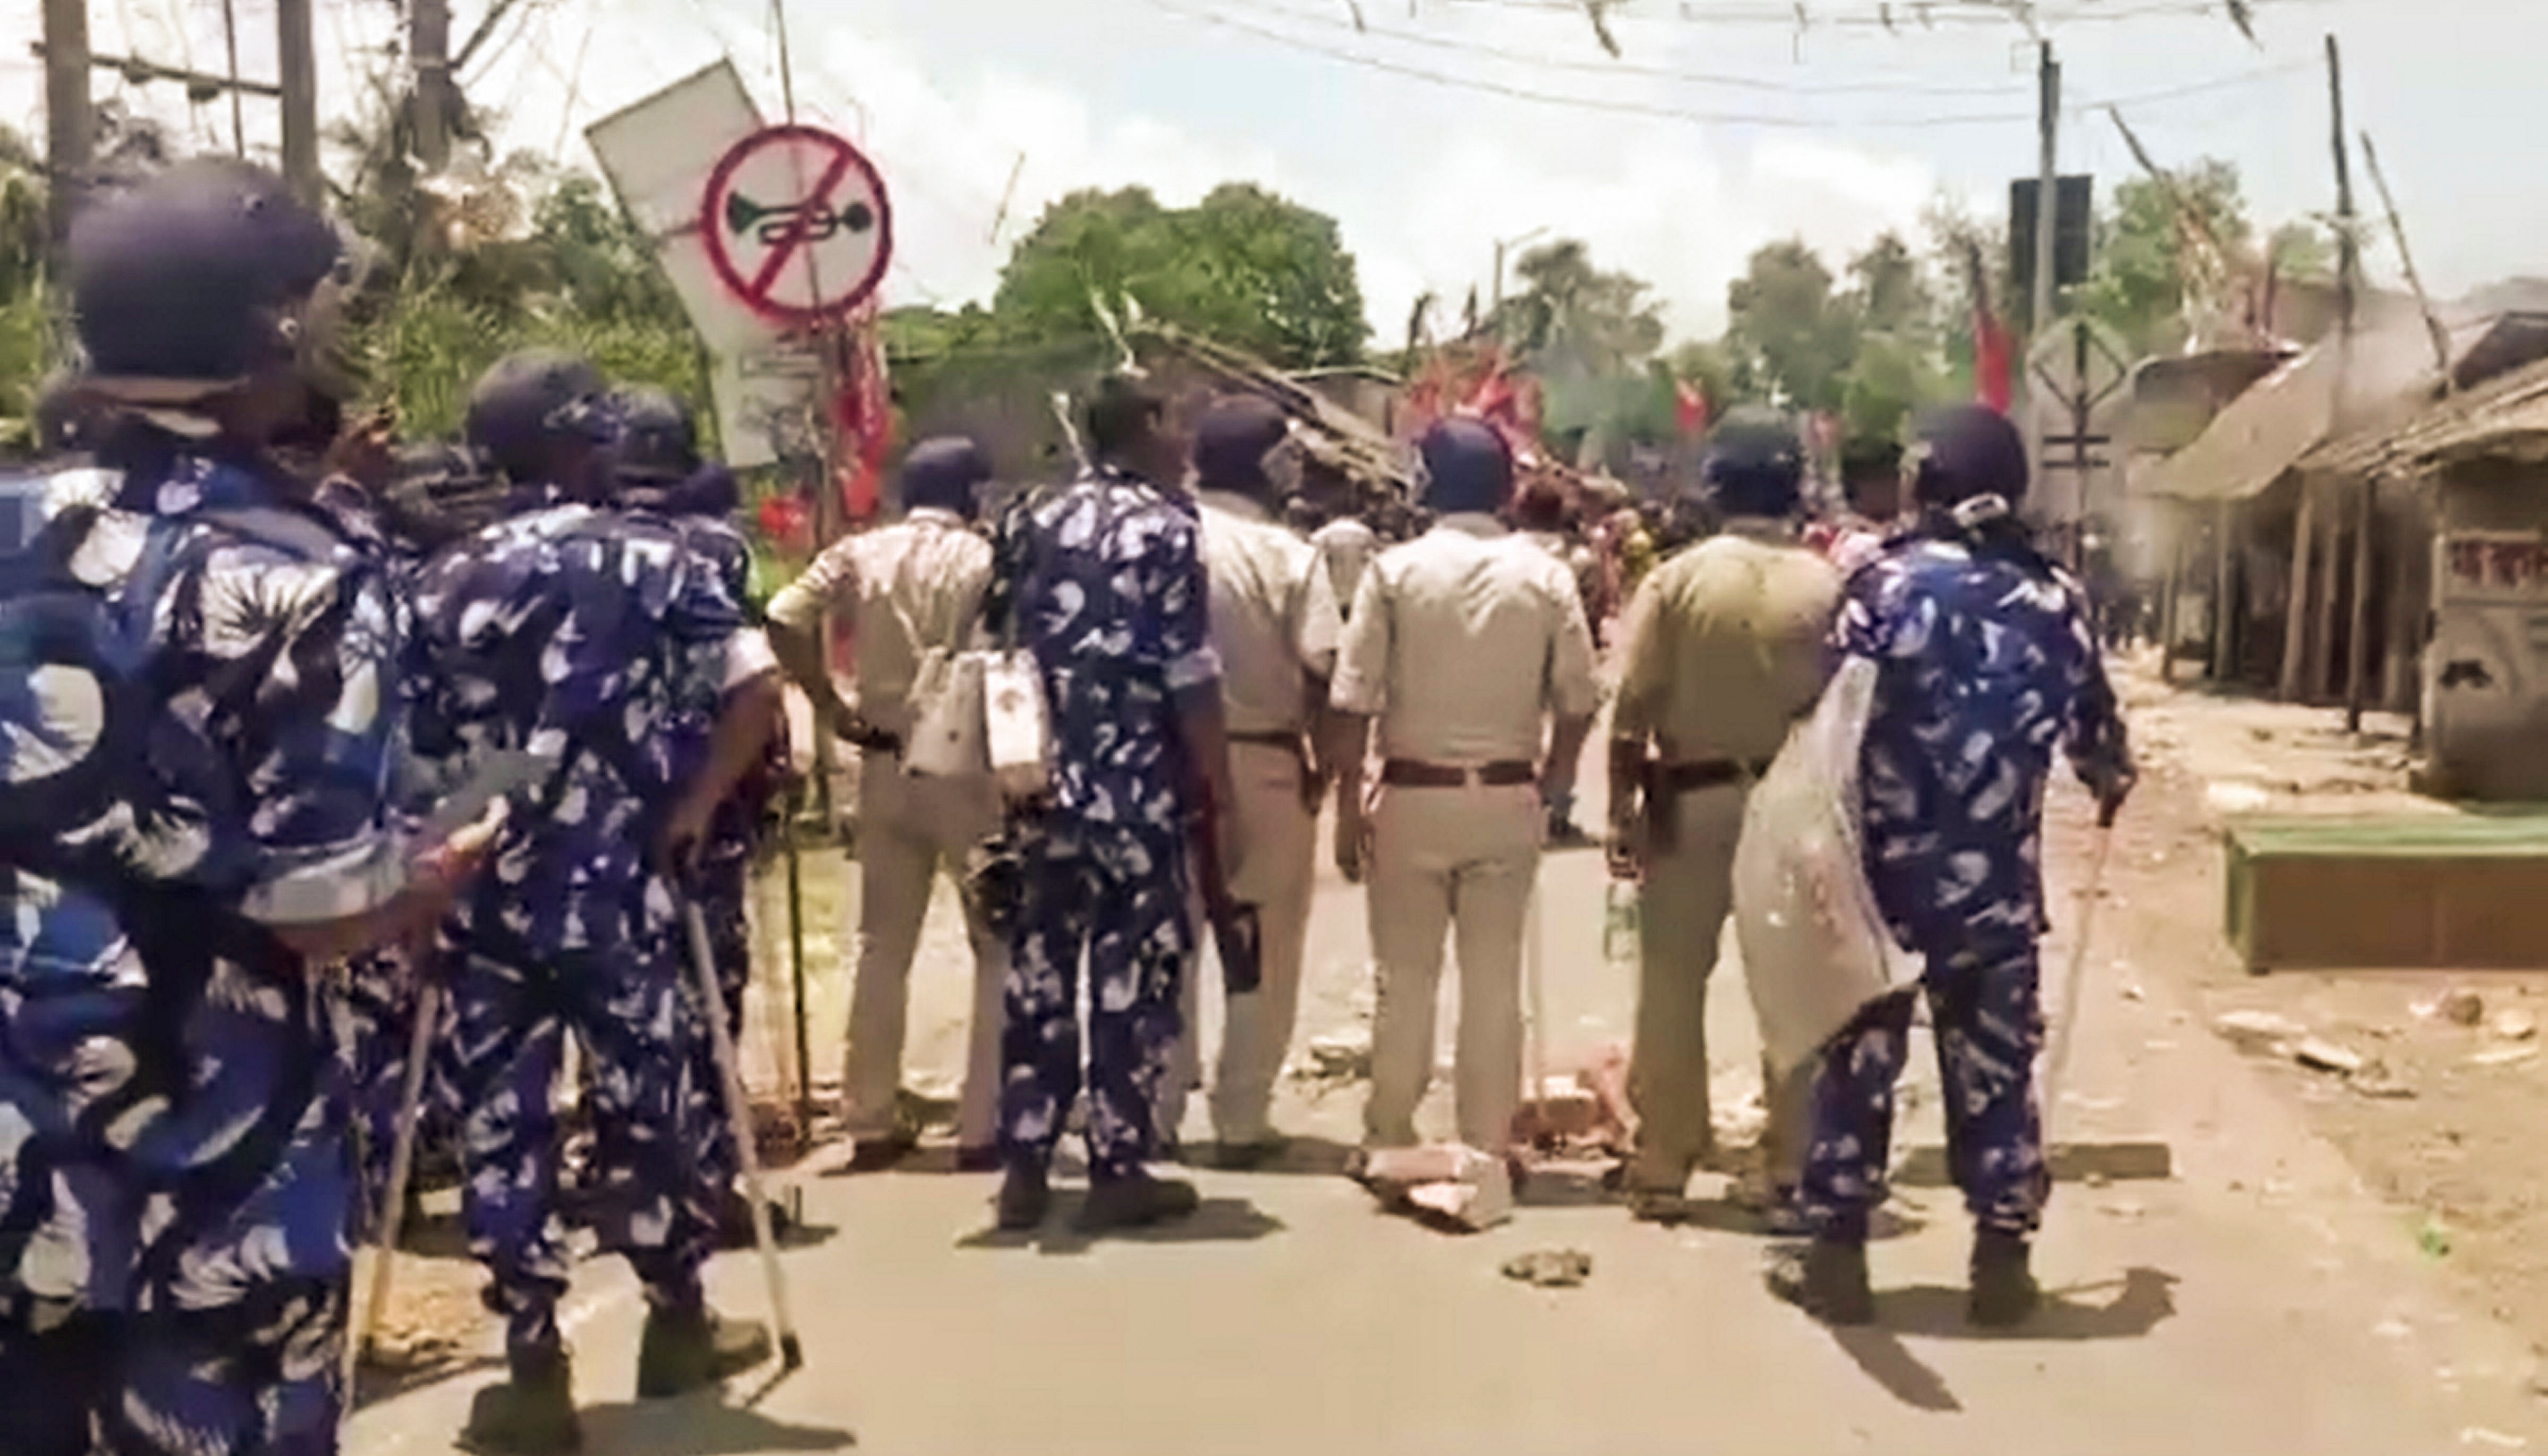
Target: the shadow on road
(1882, 1354)
(700, 1428)
(1217, 1221)
(2146, 1298)
(373, 1385)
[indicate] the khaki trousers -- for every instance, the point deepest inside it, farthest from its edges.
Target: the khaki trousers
(1462, 862)
(1277, 872)
(910, 828)
(1688, 893)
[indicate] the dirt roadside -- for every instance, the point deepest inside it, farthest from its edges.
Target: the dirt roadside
(2441, 1120)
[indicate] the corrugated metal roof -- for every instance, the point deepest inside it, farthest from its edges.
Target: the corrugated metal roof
(2466, 424)
(2270, 429)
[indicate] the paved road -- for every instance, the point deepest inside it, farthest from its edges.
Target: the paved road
(2260, 1303)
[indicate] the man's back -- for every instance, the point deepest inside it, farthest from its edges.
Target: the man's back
(626, 622)
(1727, 644)
(1463, 640)
(1115, 605)
(1348, 546)
(913, 587)
(1275, 618)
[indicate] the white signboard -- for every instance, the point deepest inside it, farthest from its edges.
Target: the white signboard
(659, 155)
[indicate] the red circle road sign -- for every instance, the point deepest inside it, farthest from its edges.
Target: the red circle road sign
(797, 224)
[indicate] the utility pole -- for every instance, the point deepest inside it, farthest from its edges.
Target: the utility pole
(2357, 646)
(2407, 265)
(1495, 294)
(70, 124)
(2048, 207)
(2047, 216)
(299, 70)
(428, 44)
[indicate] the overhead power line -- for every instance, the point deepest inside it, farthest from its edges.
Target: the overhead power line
(1902, 16)
(1631, 68)
(1621, 107)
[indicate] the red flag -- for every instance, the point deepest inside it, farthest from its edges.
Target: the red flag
(1689, 408)
(1993, 353)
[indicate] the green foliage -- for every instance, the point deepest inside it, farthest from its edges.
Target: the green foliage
(1574, 322)
(1243, 266)
(1792, 337)
(2138, 284)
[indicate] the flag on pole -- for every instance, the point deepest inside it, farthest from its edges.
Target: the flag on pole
(1690, 408)
(1993, 354)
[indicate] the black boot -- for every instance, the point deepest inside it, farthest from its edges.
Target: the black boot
(1025, 1198)
(531, 1415)
(1136, 1201)
(2004, 1293)
(1828, 1281)
(685, 1350)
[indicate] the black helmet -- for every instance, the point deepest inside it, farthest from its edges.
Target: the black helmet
(1755, 463)
(192, 280)
(1968, 451)
(533, 399)
(659, 442)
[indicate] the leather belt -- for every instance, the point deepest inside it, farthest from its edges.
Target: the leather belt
(1413, 774)
(1713, 774)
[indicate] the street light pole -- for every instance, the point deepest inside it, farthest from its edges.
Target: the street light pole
(1497, 290)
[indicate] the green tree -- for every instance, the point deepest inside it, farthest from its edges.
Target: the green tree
(2142, 269)
(1789, 333)
(1243, 266)
(1573, 321)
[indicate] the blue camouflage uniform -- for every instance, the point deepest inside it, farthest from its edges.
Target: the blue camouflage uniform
(1108, 589)
(1988, 665)
(585, 633)
(176, 1189)
(698, 509)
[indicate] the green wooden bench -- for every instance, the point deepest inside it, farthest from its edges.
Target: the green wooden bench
(2463, 891)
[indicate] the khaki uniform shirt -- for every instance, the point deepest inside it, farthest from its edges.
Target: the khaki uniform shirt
(1462, 641)
(907, 588)
(1728, 643)
(1347, 545)
(1274, 617)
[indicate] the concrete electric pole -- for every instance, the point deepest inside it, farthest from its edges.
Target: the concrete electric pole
(428, 41)
(70, 123)
(299, 69)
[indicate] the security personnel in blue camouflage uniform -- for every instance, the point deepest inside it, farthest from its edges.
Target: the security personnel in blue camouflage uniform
(177, 1192)
(658, 471)
(1988, 665)
(1105, 581)
(593, 636)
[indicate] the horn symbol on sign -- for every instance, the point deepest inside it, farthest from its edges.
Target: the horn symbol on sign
(767, 226)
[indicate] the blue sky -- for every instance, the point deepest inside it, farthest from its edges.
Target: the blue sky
(1423, 177)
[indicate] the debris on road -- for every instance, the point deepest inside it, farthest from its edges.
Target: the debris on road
(2504, 1056)
(1342, 1056)
(2463, 1007)
(2327, 1056)
(2478, 1435)
(2515, 1024)
(2259, 1030)
(1561, 1268)
(2380, 1085)
(1460, 1185)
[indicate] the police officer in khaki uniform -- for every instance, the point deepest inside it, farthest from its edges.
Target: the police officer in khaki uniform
(1727, 645)
(909, 588)
(1275, 623)
(1464, 643)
